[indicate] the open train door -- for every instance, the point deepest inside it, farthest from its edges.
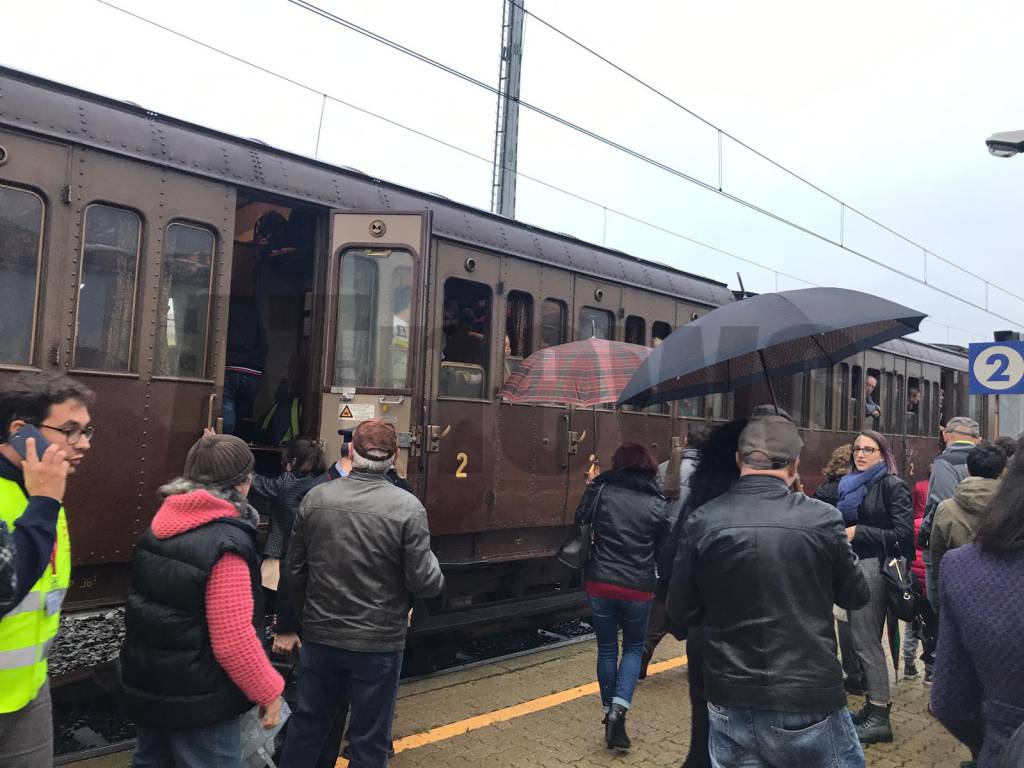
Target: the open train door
(374, 328)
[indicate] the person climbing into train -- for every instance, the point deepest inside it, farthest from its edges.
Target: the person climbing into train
(304, 467)
(689, 458)
(192, 662)
(786, 676)
(31, 495)
(358, 557)
(838, 467)
(630, 524)
(879, 517)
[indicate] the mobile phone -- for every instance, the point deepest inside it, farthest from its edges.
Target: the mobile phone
(18, 440)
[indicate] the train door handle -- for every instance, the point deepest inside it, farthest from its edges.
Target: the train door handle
(211, 404)
(434, 436)
(575, 438)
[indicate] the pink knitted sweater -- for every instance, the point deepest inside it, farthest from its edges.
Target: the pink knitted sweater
(229, 602)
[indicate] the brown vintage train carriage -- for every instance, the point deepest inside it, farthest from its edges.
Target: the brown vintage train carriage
(124, 236)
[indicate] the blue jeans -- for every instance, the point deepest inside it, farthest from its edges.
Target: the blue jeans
(617, 679)
(215, 746)
(752, 738)
(239, 389)
(371, 680)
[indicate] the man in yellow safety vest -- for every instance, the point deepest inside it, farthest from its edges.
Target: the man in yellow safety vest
(31, 496)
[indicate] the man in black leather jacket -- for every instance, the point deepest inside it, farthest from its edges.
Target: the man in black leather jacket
(759, 568)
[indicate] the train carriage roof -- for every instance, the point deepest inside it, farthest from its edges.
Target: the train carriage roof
(61, 112)
(927, 353)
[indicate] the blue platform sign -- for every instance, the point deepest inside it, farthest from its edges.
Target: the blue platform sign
(997, 368)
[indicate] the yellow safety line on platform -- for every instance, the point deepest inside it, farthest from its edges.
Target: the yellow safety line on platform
(443, 732)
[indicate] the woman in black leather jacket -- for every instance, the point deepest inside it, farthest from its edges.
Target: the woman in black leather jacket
(629, 524)
(879, 514)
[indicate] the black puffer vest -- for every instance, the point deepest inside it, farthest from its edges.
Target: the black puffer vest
(169, 675)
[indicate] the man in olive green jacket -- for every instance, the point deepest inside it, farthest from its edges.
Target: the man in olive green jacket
(957, 518)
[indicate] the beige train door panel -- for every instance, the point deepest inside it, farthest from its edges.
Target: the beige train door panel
(374, 324)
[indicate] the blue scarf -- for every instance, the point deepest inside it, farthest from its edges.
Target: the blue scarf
(854, 487)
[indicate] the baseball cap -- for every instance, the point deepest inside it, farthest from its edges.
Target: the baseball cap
(769, 442)
(375, 439)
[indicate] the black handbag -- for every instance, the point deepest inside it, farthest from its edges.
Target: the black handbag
(899, 585)
(575, 551)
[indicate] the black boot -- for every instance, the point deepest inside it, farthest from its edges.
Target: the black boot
(861, 714)
(644, 661)
(875, 727)
(615, 728)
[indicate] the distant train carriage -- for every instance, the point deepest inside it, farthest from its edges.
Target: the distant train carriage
(126, 237)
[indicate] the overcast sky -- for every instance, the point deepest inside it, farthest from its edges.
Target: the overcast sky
(883, 105)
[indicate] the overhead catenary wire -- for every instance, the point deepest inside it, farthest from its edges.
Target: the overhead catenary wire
(628, 216)
(313, 8)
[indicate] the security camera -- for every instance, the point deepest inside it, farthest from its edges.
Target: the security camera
(1006, 144)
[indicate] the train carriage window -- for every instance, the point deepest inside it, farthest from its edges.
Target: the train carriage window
(106, 292)
(371, 347)
(938, 417)
(659, 332)
(887, 402)
(21, 229)
(552, 323)
(519, 324)
(899, 408)
(844, 397)
(915, 405)
(518, 329)
(875, 400)
(857, 403)
(976, 410)
(184, 302)
(924, 410)
(719, 406)
(636, 330)
(466, 353)
(595, 324)
(822, 398)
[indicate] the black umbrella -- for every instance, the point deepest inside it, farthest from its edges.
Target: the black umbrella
(772, 334)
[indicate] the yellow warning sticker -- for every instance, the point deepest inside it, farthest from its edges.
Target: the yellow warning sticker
(357, 411)
(346, 413)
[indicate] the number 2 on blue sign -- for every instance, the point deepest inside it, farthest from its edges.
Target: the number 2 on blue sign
(1003, 362)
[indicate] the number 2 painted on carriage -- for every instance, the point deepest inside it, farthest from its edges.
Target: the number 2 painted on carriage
(461, 471)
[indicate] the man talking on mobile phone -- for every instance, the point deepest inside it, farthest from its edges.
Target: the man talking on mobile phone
(55, 409)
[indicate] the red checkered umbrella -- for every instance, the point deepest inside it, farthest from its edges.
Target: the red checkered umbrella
(580, 373)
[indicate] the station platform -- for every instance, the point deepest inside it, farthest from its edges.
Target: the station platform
(543, 709)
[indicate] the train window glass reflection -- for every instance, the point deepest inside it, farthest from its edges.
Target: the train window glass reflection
(976, 410)
(595, 324)
(467, 313)
(552, 323)
(107, 289)
(915, 406)
(857, 403)
(371, 347)
(184, 302)
(822, 398)
(924, 411)
(21, 228)
(938, 417)
(720, 406)
(636, 330)
(659, 332)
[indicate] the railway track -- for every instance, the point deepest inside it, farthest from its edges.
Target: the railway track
(98, 746)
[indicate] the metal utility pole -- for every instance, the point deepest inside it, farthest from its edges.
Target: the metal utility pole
(506, 131)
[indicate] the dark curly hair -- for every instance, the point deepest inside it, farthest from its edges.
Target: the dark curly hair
(29, 397)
